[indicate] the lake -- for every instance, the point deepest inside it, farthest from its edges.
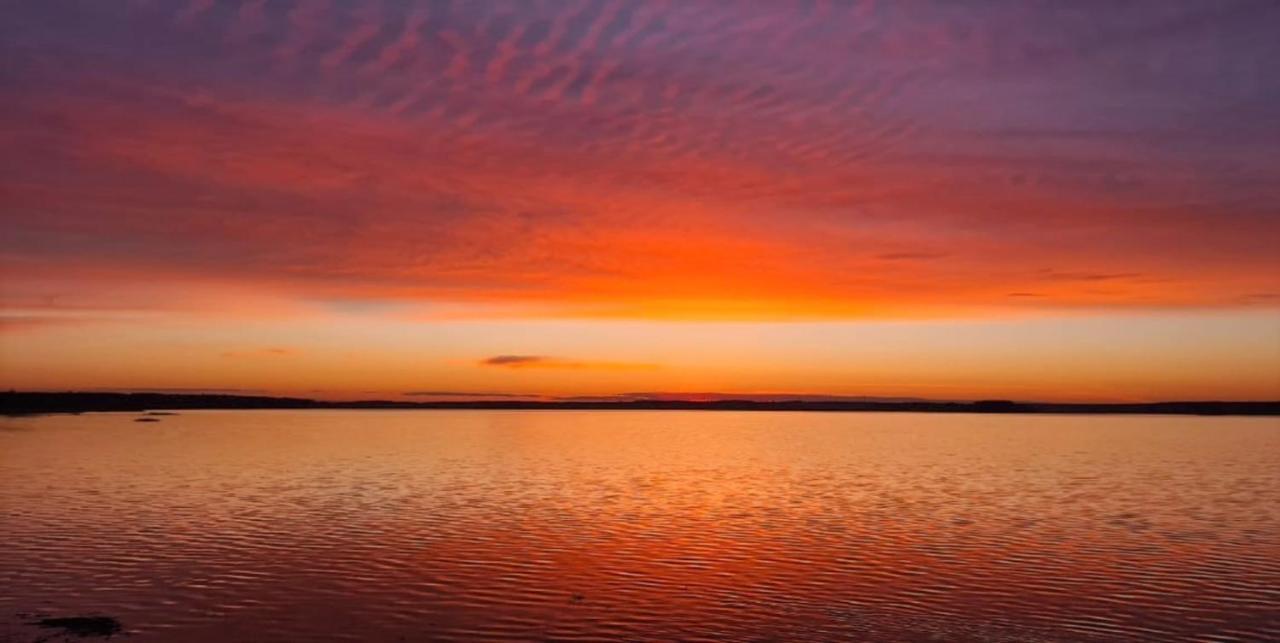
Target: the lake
(642, 525)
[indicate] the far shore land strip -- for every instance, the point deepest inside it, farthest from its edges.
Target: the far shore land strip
(14, 403)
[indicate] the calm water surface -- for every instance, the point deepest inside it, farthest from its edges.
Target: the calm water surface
(550, 525)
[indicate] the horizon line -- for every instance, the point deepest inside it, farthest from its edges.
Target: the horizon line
(436, 396)
(37, 402)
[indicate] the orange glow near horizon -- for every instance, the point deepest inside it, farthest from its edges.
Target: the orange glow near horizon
(360, 200)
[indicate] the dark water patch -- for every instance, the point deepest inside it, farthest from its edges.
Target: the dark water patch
(81, 626)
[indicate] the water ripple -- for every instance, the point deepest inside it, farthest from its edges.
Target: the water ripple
(577, 526)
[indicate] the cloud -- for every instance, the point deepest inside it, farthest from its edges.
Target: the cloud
(1089, 276)
(23, 314)
(620, 158)
(517, 361)
(910, 256)
(270, 351)
(22, 323)
(1260, 297)
(542, 361)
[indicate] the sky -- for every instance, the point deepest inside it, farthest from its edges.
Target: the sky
(423, 200)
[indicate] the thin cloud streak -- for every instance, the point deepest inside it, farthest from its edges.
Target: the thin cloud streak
(545, 362)
(516, 361)
(268, 352)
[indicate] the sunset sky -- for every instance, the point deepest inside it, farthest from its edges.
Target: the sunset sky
(377, 198)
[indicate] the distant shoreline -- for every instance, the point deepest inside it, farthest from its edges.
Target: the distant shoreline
(30, 403)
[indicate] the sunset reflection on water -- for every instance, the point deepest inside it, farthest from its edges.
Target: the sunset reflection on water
(519, 525)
